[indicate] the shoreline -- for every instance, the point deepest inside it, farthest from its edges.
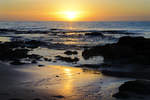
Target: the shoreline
(53, 82)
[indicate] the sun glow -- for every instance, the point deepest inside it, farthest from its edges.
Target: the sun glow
(70, 15)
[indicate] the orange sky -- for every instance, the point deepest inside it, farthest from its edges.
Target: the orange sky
(87, 10)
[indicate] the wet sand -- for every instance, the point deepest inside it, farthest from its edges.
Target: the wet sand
(52, 82)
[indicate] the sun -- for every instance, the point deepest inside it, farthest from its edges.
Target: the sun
(70, 15)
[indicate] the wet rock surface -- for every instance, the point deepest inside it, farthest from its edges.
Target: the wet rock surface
(59, 96)
(128, 50)
(71, 52)
(16, 50)
(24, 32)
(129, 57)
(15, 99)
(95, 34)
(67, 59)
(138, 87)
(17, 62)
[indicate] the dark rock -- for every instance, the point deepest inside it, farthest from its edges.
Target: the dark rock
(6, 94)
(12, 54)
(71, 52)
(67, 59)
(24, 32)
(41, 65)
(59, 96)
(57, 76)
(47, 59)
(121, 95)
(34, 43)
(36, 99)
(131, 74)
(54, 61)
(31, 32)
(33, 61)
(130, 53)
(17, 62)
(17, 50)
(7, 30)
(128, 49)
(34, 56)
(116, 32)
(138, 87)
(90, 65)
(94, 34)
(15, 99)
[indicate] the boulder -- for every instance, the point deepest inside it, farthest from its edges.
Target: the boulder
(137, 87)
(71, 52)
(67, 59)
(129, 49)
(94, 34)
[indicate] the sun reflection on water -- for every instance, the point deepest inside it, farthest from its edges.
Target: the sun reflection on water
(68, 72)
(67, 82)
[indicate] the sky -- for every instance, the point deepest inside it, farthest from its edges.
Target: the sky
(75, 10)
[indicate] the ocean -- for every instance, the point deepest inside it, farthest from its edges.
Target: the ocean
(61, 36)
(141, 26)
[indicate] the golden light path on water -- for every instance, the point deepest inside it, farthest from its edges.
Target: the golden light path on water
(61, 80)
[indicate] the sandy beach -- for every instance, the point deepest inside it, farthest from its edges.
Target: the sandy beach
(52, 82)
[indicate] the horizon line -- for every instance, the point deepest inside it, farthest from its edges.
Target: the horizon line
(74, 21)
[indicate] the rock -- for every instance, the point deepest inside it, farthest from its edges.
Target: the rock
(15, 99)
(131, 74)
(130, 57)
(37, 99)
(47, 59)
(41, 65)
(116, 32)
(31, 32)
(138, 87)
(121, 95)
(33, 61)
(34, 44)
(94, 34)
(91, 65)
(128, 49)
(59, 96)
(24, 32)
(7, 30)
(67, 59)
(71, 52)
(13, 54)
(57, 76)
(17, 62)
(15, 51)
(34, 56)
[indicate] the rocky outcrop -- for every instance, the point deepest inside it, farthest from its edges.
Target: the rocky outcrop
(17, 50)
(67, 59)
(130, 88)
(94, 34)
(128, 49)
(71, 52)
